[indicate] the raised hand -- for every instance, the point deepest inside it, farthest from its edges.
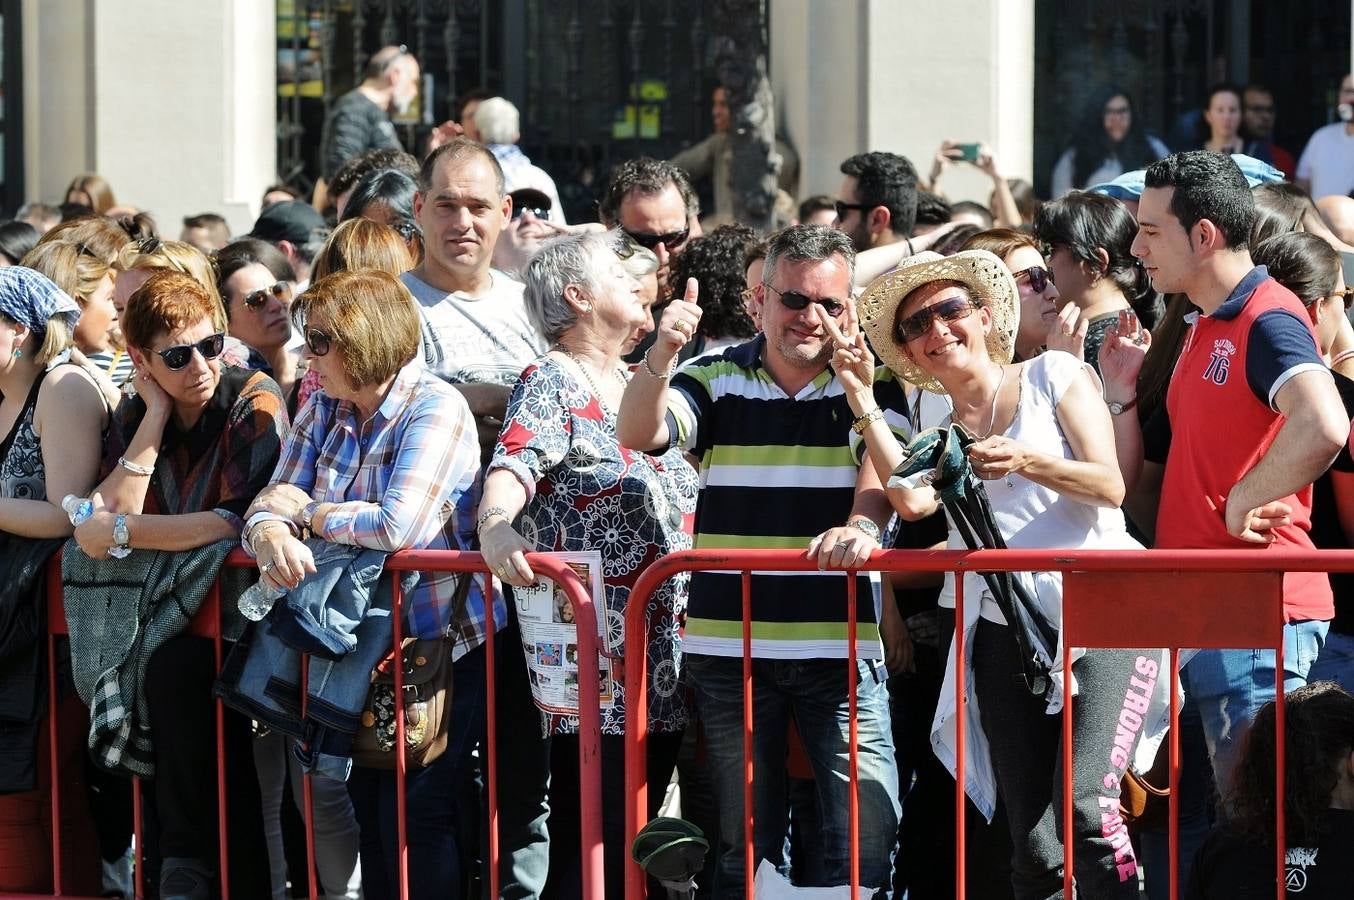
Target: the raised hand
(851, 358)
(1068, 332)
(1121, 356)
(678, 326)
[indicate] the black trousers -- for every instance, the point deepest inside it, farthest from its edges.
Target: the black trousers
(183, 722)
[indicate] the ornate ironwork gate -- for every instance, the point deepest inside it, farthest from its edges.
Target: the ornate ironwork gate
(592, 78)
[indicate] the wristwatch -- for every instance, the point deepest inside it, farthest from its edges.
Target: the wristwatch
(865, 527)
(307, 515)
(1116, 408)
(121, 538)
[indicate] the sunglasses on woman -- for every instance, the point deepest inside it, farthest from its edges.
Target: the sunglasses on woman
(797, 301)
(1039, 278)
(951, 310)
(256, 299)
(317, 342)
(1347, 295)
(180, 355)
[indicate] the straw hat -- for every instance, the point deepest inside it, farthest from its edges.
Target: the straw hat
(978, 270)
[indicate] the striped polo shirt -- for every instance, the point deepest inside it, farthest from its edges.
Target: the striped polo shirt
(776, 471)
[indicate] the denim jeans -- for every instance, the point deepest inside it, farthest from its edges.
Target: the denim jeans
(813, 692)
(322, 614)
(1336, 662)
(434, 820)
(1228, 687)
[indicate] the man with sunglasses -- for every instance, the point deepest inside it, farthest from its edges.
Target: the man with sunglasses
(653, 201)
(529, 227)
(770, 425)
(878, 202)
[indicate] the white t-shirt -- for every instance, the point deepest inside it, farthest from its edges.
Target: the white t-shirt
(1328, 161)
(487, 340)
(1109, 170)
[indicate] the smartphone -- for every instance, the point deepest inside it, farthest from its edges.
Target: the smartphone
(969, 152)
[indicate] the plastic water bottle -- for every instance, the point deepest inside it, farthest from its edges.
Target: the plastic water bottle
(78, 509)
(258, 600)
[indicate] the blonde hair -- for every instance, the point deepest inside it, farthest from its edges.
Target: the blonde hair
(171, 256)
(93, 236)
(78, 274)
(369, 315)
(361, 244)
(60, 336)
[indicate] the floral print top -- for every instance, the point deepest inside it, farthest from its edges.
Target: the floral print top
(585, 492)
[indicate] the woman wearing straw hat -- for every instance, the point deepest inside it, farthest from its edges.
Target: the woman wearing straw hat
(1044, 446)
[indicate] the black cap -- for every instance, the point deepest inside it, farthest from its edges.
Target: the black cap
(291, 220)
(530, 198)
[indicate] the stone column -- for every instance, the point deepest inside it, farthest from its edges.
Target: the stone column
(174, 103)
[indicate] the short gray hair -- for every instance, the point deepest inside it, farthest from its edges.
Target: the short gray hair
(498, 121)
(808, 243)
(571, 259)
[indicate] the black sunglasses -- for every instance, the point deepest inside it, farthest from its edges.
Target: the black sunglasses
(671, 240)
(408, 229)
(180, 355)
(1039, 278)
(317, 342)
(797, 301)
(843, 208)
(534, 210)
(256, 299)
(919, 323)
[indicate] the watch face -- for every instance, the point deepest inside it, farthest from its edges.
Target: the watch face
(1116, 408)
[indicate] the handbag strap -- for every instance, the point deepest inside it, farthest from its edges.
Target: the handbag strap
(460, 599)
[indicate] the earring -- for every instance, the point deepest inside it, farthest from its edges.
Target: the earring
(588, 308)
(18, 353)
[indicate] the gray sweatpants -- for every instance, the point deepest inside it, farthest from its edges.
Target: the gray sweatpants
(1026, 747)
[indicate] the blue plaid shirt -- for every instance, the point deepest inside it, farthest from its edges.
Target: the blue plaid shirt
(407, 478)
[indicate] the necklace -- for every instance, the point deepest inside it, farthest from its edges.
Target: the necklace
(597, 392)
(992, 416)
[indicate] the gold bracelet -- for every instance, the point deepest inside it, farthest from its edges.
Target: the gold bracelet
(860, 424)
(259, 530)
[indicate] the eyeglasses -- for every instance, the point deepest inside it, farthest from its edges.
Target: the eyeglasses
(537, 212)
(1347, 294)
(256, 299)
(1118, 110)
(1039, 278)
(1260, 110)
(671, 240)
(317, 342)
(147, 246)
(407, 229)
(843, 208)
(919, 323)
(180, 355)
(797, 301)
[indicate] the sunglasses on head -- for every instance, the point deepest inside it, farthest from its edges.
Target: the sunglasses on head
(534, 210)
(256, 299)
(797, 301)
(670, 240)
(317, 342)
(1038, 276)
(178, 356)
(951, 310)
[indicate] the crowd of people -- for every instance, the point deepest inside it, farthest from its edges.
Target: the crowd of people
(445, 363)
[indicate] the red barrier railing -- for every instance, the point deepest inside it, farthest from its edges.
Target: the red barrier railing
(207, 624)
(1181, 599)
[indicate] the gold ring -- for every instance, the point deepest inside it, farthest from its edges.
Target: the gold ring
(682, 326)
(501, 572)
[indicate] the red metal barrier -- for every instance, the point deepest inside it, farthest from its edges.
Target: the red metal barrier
(1186, 599)
(207, 624)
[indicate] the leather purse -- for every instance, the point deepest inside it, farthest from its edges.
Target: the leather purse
(427, 697)
(1141, 802)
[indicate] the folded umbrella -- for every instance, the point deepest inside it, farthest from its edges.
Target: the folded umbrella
(940, 456)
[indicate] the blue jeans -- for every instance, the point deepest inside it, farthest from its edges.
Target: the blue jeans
(322, 614)
(813, 692)
(1228, 687)
(434, 830)
(1336, 662)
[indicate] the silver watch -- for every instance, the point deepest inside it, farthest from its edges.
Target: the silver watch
(865, 527)
(121, 538)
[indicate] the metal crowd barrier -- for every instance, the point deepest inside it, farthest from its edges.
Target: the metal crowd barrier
(1180, 599)
(207, 624)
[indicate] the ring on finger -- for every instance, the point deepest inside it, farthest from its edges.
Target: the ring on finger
(266, 568)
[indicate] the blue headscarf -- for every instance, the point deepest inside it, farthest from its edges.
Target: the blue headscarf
(31, 298)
